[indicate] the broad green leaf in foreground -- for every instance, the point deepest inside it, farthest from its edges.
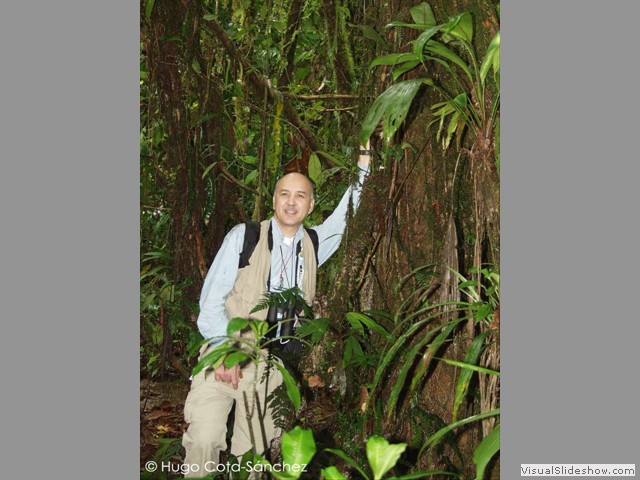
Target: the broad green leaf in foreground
(486, 450)
(382, 455)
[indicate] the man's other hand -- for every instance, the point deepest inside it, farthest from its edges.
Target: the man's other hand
(229, 375)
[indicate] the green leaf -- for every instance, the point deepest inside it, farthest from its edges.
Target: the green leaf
(234, 358)
(394, 59)
(195, 65)
(331, 157)
(469, 366)
(212, 358)
(485, 451)
(332, 473)
(405, 67)
(438, 48)
(382, 455)
(432, 348)
(236, 324)
(461, 26)
(360, 318)
(443, 431)
(420, 42)
(315, 168)
(372, 34)
(249, 159)
(315, 328)
(418, 26)
(423, 14)
(451, 129)
(251, 177)
(344, 456)
(292, 388)
(464, 379)
(491, 58)
(352, 352)
(354, 320)
(298, 448)
(392, 107)
(148, 7)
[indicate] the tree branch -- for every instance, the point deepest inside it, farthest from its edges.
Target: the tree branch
(234, 180)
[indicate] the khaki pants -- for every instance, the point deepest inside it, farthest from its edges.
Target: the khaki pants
(207, 408)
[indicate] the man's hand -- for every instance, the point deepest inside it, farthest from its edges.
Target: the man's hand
(364, 156)
(228, 375)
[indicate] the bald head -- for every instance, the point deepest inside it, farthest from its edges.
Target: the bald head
(298, 177)
(292, 202)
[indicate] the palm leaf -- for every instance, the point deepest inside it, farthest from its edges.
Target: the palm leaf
(392, 107)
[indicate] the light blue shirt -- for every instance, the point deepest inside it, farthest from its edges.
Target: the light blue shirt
(213, 320)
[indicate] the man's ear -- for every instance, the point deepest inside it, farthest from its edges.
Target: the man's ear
(273, 201)
(312, 204)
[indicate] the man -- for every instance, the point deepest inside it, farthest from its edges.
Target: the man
(230, 291)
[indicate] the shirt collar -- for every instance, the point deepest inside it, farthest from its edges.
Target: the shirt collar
(279, 236)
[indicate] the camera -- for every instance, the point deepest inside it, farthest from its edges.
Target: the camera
(280, 320)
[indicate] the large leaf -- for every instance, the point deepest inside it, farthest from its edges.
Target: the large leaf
(293, 392)
(485, 451)
(298, 448)
(491, 58)
(382, 455)
(315, 168)
(423, 14)
(392, 107)
(236, 324)
(235, 358)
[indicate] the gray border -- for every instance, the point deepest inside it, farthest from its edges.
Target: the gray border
(69, 258)
(569, 156)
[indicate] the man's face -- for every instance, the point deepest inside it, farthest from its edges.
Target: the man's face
(292, 202)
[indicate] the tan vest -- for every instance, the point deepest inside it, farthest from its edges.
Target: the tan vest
(251, 283)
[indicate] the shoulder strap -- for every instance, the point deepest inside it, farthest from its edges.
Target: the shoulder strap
(314, 239)
(251, 237)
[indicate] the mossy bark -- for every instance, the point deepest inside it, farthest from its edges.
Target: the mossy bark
(422, 209)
